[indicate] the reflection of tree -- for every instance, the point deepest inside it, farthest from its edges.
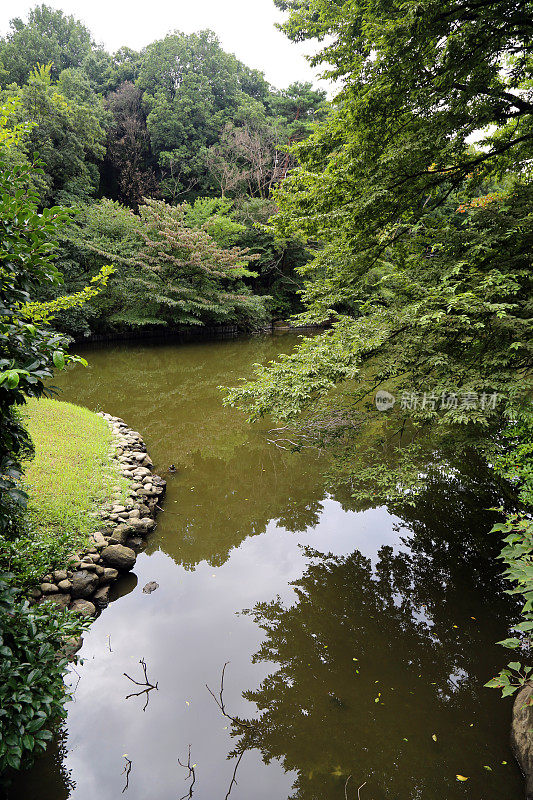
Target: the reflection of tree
(234, 499)
(395, 625)
(51, 773)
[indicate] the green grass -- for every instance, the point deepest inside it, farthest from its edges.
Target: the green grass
(70, 476)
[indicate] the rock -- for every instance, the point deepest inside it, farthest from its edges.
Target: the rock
(521, 741)
(150, 587)
(135, 541)
(83, 607)
(48, 579)
(88, 565)
(48, 588)
(99, 539)
(144, 525)
(118, 509)
(35, 593)
(142, 472)
(135, 514)
(62, 600)
(60, 575)
(120, 536)
(101, 596)
(109, 574)
(99, 569)
(108, 530)
(64, 586)
(84, 583)
(118, 556)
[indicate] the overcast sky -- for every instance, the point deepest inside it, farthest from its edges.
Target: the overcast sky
(244, 27)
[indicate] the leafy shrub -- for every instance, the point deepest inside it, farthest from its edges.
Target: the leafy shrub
(32, 691)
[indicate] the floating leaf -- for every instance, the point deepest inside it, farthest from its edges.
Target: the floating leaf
(486, 766)
(434, 737)
(461, 778)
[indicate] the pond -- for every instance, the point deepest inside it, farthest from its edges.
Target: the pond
(356, 643)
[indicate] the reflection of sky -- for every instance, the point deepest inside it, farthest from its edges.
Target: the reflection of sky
(186, 630)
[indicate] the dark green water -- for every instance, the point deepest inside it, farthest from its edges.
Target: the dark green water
(373, 632)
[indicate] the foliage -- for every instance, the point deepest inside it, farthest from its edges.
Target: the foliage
(517, 555)
(128, 155)
(191, 88)
(427, 292)
(181, 120)
(67, 130)
(188, 277)
(31, 672)
(48, 37)
(32, 691)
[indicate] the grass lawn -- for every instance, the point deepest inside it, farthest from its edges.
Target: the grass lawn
(70, 476)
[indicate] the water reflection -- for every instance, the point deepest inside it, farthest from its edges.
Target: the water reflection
(375, 660)
(248, 526)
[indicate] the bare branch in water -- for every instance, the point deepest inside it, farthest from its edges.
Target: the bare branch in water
(358, 796)
(220, 702)
(149, 686)
(127, 770)
(191, 774)
(234, 776)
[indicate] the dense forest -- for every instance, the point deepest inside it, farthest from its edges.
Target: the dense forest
(165, 156)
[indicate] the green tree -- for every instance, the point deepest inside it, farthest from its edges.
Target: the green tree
(49, 37)
(424, 277)
(192, 88)
(188, 278)
(67, 131)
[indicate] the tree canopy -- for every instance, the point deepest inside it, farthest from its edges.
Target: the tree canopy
(416, 195)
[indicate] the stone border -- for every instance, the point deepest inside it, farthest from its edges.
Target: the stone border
(84, 586)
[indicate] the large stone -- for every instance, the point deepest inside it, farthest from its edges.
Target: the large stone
(49, 588)
(118, 556)
(62, 600)
(83, 607)
(119, 537)
(99, 539)
(84, 583)
(144, 525)
(101, 596)
(88, 565)
(109, 575)
(64, 586)
(521, 740)
(60, 575)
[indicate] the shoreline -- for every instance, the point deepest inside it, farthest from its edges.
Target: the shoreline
(83, 586)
